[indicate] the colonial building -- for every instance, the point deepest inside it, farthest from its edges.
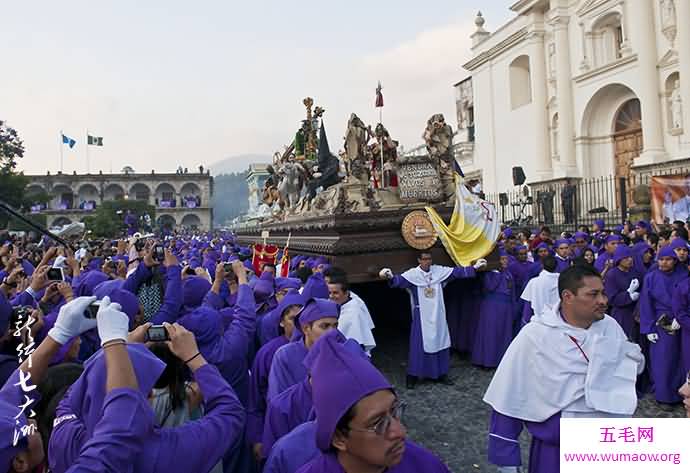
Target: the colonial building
(180, 199)
(577, 89)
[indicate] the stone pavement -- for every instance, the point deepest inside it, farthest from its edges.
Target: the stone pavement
(452, 421)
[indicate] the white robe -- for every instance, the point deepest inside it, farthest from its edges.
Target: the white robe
(544, 372)
(432, 310)
(355, 322)
(542, 291)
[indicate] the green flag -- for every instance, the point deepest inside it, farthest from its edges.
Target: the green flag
(95, 140)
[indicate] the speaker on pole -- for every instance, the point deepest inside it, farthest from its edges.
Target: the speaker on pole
(518, 176)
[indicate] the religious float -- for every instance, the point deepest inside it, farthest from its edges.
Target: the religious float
(369, 207)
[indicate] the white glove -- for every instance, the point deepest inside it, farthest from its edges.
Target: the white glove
(480, 263)
(634, 295)
(675, 325)
(71, 320)
(652, 337)
(508, 469)
(634, 285)
(386, 273)
(113, 324)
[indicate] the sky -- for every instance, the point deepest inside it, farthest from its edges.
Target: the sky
(169, 83)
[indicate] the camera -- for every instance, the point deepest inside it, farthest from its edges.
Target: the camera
(228, 268)
(157, 333)
(55, 274)
(92, 310)
(158, 253)
(140, 244)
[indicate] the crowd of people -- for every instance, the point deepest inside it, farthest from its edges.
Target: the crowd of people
(177, 353)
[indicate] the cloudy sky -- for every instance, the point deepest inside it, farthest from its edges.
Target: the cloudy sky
(167, 82)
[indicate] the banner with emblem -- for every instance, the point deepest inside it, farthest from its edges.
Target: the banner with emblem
(473, 229)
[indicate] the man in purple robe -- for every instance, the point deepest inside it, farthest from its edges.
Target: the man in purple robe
(606, 257)
(288, 309)
(317, 317)
(358, 418)
(293, 450)
(196, 446)
(570, 361)
(497, 316)
(681, 313)
(657, 323)
(429, 355)
(521, 268)
(563, 254)
(621, 285)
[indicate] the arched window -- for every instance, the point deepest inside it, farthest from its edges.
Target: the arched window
(520, 82)
(607, 39)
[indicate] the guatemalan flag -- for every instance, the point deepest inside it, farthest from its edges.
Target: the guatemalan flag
(474, 226)
(66, 140)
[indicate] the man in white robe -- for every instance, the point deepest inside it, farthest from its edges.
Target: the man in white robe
(572, 360)
(355, 321)
(541, 292)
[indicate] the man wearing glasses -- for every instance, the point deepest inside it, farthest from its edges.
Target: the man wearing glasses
(358, 417)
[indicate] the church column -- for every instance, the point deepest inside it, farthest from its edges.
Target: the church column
(644, 44)
(683, 48)
(564, 95)
(537, 55)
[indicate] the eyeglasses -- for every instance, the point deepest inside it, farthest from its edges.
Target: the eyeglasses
(383, 424)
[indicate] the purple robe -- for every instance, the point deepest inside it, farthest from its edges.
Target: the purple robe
(415, 459)
(293, 450)
(462, 310)
(521, 271)
(286, 411)
(562, 263)
(195, 446)
(600, 262)
(258, 388)
(119, 436)
(287, 368)
(658, 292)
(504, 447)
(420, 363)
(497, 316)
(681, 311)
(622, 306)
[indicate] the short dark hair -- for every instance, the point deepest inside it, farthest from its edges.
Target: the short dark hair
(303, 274)
(665, 234)
(681, 233)
(572, 279)
(653, 238)
(342, 282)
(545, 229)
(549, 262)
(421, 254)
(335, 273)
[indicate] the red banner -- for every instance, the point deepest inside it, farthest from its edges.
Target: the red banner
(262, 255)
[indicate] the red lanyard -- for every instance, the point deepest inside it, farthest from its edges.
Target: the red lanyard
(579, 347)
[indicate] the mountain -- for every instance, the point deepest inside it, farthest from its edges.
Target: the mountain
(230, 197)
(239, 163)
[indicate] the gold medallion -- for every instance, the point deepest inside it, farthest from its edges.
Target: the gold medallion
(429, 292)
(418, 231)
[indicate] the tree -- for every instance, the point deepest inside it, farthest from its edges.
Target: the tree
(12, 185)
(106, 222)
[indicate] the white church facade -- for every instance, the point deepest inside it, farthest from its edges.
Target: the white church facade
(577, 89)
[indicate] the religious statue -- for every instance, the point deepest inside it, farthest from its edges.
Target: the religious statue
(356, 153)
(438, 136)
(390, 155)
(668, 13)
(676, 106)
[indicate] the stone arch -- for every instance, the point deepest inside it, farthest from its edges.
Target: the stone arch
(191, 220)
(607, 38)
(114, 192)
(598, 128)
(166, 221)
(165, 192)
(192, 190)
(63, 197)
(88, 192)
(520, 82)
(140, 191)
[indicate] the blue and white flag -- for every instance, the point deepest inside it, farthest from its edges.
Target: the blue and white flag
(66, 140)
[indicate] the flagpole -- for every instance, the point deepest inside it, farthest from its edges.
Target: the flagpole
(88, 165)
(61, 151)
(383, 181)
